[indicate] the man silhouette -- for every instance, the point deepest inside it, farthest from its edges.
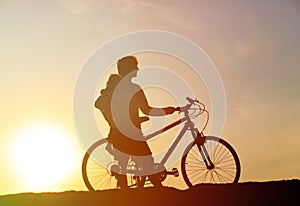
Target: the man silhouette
(125, 133)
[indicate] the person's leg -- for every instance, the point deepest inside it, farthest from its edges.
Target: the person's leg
(139, 165)
(147, 163)
(121, 175)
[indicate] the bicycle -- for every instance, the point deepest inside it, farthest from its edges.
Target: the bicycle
(208, 159)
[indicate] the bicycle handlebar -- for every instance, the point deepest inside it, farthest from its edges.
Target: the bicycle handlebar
(188, 106)
(192, 101)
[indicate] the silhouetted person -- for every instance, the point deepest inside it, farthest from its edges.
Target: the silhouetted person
(125, 123)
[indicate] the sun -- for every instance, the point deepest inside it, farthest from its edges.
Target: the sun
(43, 156)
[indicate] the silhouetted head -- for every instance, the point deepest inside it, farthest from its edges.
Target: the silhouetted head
(126, 65)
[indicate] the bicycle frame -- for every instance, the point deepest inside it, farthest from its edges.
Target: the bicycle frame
(198, 137)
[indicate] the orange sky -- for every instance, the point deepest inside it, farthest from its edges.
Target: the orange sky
(254, 45)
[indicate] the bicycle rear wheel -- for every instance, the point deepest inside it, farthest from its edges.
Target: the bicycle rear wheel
(99, 169)
(97, 175)
(226, 165)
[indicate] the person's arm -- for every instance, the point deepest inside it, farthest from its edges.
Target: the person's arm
(152, 111)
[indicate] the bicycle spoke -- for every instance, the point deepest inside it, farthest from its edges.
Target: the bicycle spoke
(220, 154)
(225, 177)
(200, 176)
(224, 171)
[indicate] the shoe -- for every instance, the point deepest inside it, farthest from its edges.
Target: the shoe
(154, 179)
(122, 181)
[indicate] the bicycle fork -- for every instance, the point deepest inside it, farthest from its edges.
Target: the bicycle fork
(200, 140)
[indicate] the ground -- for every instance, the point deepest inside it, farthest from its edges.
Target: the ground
(251, 193)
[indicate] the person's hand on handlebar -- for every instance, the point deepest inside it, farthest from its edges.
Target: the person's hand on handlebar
(171, 110)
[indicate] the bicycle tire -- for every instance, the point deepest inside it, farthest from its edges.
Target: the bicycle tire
(226, 161)
(99, 176)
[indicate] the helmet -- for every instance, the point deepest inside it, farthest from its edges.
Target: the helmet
(126, 65)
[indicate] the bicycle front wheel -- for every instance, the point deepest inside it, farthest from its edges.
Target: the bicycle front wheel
(197, 169)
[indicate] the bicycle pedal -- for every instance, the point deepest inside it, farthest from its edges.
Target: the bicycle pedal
(175, 172)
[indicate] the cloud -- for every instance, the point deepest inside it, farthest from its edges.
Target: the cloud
(81, 7)
(133, 6)
(75, 7)
(165, 14)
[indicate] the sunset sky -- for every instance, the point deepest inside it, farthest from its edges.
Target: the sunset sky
(255, 46)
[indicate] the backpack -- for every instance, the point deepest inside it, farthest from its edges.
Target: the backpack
(103, 102)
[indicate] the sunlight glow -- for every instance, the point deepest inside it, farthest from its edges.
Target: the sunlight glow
(43, 156)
